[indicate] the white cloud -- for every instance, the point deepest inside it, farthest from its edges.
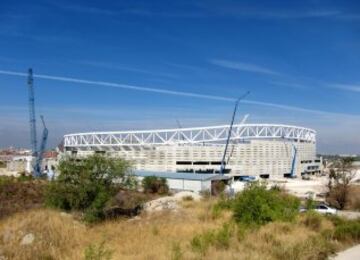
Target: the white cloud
(241, 66)
(347, 87)
(172, 92)
(287, 84)
(108, 65)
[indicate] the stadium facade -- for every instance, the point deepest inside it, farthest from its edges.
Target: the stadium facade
(263, 150)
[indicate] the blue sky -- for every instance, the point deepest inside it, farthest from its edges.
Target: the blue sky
(300, 60)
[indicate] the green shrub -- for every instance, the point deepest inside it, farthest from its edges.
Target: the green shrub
(95, 211)
(153, 184)
(257, 205)
(86, 184)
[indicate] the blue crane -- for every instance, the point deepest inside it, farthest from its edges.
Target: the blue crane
(292, 172)
(32, 113)
(222, 167)
(293, 159)
(36, 153)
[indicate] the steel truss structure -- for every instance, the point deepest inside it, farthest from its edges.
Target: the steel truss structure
(196, 135)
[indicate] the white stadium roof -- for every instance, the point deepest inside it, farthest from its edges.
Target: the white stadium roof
(211, 134)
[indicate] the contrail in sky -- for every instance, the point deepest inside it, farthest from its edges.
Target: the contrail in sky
(168, 92)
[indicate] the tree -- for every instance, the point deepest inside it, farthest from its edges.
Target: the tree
(340, 181)
(153, 184)
(86, 184)
(257, 205)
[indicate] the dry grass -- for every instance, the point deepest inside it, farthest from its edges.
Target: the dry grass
(165, 235)
(17, 195)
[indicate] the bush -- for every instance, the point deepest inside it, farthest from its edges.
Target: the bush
(257, 205)
(153, 184)
(348, 231)
(86, 185)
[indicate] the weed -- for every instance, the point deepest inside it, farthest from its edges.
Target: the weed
(223, 236)
(97, 252)
(176, 252)
(201, 243)
(348, 231)
(155, 230)
(313, 220)
(218, 238)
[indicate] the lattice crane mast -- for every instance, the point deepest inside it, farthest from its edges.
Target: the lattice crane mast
(36, 153)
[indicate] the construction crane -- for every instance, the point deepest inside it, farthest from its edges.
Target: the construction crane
(36, 153)
(292, 172)
(222, 167)
(41, 151)
(32, 113)
(293, 159)
(234, 143)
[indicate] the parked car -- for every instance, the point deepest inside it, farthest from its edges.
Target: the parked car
(325, 209)
(321, 208)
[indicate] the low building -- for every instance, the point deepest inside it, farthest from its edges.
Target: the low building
(185, 181)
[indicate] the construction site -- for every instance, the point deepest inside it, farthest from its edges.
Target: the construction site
(236, 152)
(179, 130)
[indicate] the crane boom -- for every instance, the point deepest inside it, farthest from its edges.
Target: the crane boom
(222, 167)
(44, 137)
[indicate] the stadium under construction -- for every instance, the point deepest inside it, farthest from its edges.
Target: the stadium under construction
(261, 150)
